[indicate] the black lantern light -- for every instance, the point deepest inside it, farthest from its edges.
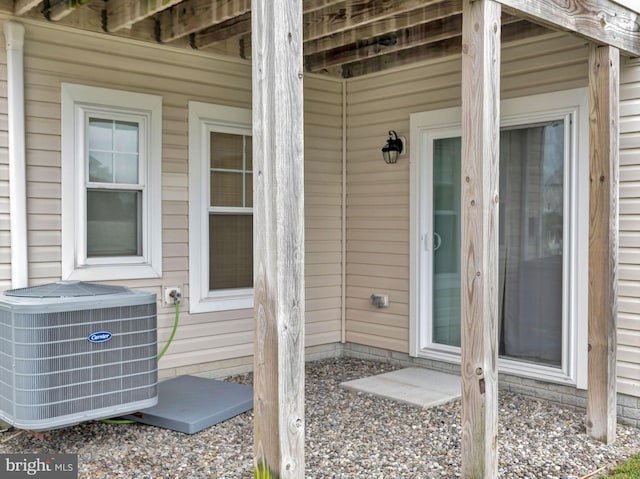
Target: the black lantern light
(392, 149)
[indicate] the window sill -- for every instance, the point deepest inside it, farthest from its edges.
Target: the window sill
(112, 272)
(237, 299)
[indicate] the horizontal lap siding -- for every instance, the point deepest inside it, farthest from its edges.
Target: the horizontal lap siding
(629, 254)
(53, 56)
(323, 209)
(378, 194)
(5, 235)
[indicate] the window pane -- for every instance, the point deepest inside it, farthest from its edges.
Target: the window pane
(227, 151)
(100, 167)
(531, 242)
(248, 190)
(126, 167)
(113, 151)
(100, 134)
(226, 189)
(446, 241)
(248, 147)
(126, 137)
(113, 223)
(230, 251)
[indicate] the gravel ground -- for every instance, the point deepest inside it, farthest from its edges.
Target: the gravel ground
(349, 435)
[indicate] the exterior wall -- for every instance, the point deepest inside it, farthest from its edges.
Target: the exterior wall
(323, 210)
(378, 196)
(5, 239)
(629, 255)
(54, 55)
(378, 216)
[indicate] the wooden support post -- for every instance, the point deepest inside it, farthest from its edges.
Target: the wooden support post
(604, 64)
(479, 252)
(278, 174)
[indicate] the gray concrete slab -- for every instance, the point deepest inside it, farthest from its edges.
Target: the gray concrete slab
(418, 386)
(189, 404)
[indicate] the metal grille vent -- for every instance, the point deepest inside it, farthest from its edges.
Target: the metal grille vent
(66, 289)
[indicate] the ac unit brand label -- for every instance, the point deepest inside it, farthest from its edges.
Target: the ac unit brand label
(100, 337)
(46, 466)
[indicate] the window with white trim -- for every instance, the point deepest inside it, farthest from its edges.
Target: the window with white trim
(220, 208)
(111, 184)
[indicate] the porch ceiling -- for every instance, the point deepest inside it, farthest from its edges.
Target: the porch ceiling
(345, 38)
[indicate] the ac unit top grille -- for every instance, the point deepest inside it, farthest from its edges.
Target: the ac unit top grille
(67, 289)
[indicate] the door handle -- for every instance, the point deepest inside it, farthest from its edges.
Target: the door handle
(437, 241)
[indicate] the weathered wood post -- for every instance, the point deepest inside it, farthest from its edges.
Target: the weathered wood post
(278, 238)
(604, 86)
(479, 278)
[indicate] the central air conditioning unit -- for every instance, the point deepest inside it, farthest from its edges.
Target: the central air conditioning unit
(75, 351)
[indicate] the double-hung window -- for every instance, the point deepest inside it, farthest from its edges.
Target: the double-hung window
(111, 160)
(220, 208)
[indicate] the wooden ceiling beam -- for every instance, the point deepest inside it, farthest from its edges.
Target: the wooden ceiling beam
(443, 48)
(402, 39)
(61, 9)
(233, 28)
(241, 26)
(385, 26)
(356, 13)
(314, 5)
(20, 7)
(511, 32)
(211, 30)
(435, 11)
(191, 16)
(602, 22)
(124, 13)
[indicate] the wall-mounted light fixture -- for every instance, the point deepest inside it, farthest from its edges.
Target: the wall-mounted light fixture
(392, 149)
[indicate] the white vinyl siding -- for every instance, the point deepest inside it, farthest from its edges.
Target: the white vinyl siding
(378, 194)
(629, 254)
(378, 199)
(323, 209)
(5, 240)
(54, 55)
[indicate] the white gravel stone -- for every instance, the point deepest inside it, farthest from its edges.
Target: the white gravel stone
(348, 435)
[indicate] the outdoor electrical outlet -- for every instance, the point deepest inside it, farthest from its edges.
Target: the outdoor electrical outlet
(380, 300)
(170, 292)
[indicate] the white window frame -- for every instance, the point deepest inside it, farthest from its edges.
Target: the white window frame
(572, 106)
(205, 118)
(79, 102)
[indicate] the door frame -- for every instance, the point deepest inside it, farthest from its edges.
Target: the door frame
(427, 126)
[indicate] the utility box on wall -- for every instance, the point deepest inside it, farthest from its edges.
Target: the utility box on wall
(75, 351)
